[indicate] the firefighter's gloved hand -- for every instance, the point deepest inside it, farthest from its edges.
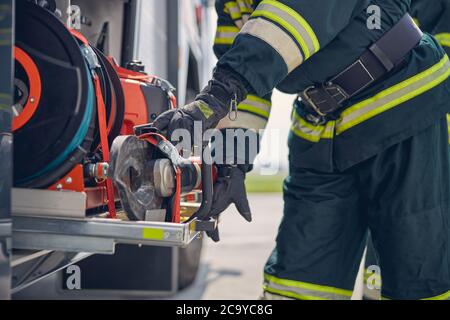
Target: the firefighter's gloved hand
(224, 91)
(208, 115)
(228, 189)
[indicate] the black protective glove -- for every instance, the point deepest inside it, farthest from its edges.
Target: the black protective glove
(230, 188)
(233, 165)
(225, 90)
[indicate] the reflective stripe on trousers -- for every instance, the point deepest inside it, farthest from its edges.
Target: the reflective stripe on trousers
(444, 296)
(302, 290)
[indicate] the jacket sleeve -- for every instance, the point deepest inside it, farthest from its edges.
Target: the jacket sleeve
(254, 112)
(281, 35)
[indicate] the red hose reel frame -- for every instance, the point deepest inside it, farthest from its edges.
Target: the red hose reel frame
(105, 192)
(34, 95)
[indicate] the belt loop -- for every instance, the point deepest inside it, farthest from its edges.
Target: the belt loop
(382, 57)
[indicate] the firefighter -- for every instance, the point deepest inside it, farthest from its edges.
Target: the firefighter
(368, 142)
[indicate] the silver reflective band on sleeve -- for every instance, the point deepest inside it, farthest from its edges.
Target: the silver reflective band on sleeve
(279, 40)
(256, 105)
(244, 121)
(293, 22)
(239, 23)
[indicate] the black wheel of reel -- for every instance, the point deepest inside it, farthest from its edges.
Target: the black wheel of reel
(107, 92)
(114, 103)
(61, 121)
(119, 97)
(75, 158)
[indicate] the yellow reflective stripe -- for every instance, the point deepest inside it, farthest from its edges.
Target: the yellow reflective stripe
(291, 294)
(444, 296)
(231, 29)
(300, 20)
(293, 22)
(256, 106)
(246, 11)
(205, 109)
(448, 127)
(394, 96)
(244, 7)
(259, 100)
(312, 133)
(307, 286)
(224, 41)
(278, 39)
(226, 34)
(252, 109)
(233, 10)
(443, 38)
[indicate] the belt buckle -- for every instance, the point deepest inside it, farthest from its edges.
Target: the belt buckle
(333, 96)
(308, 99)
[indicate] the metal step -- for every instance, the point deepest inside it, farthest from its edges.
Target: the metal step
(97, 235)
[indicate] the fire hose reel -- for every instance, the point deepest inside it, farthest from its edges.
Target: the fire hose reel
(73, 103)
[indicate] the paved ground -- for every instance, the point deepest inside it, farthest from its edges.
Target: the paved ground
(232, 269)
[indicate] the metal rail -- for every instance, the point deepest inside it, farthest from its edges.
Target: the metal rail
(95, 235)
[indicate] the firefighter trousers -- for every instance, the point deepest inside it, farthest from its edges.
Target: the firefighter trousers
(401, 195)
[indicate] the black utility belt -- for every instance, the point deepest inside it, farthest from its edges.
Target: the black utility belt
(378, 60)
